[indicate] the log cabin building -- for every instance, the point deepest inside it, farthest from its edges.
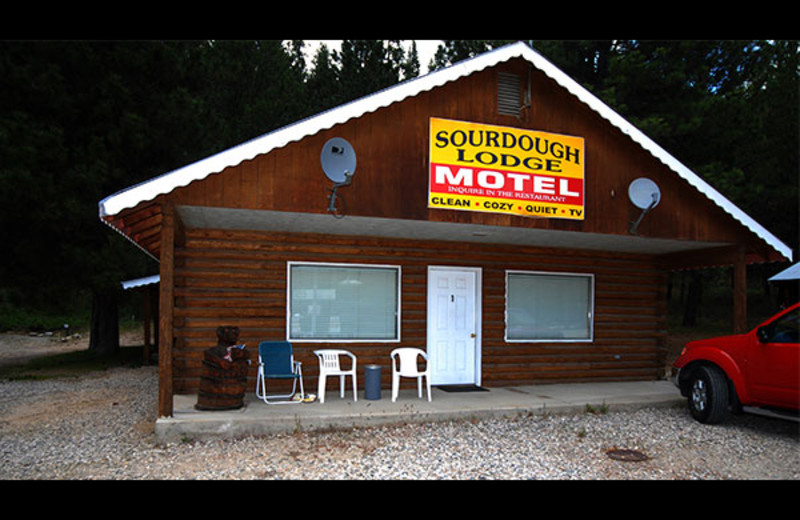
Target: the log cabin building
(494, 213)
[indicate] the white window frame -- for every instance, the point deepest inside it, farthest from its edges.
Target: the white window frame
(398, 312)
(590, 339)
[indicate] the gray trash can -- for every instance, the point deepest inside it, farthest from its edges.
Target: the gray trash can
(372, 382)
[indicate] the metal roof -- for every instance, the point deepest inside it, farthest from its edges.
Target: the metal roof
(140, 282)
(167, 182)
(791, 273)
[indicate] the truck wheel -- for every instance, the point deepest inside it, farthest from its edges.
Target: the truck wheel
(708, 395)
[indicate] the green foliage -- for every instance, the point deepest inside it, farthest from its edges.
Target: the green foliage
(601, 409)
(80, 120)
(453, 51)
(727, 109)
(14, 318)
(715, 304)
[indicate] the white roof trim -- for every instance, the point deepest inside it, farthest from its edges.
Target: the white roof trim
(148, 190)
(791, 273)
(140, 282)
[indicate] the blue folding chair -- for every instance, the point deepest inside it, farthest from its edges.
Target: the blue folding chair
(276, 361)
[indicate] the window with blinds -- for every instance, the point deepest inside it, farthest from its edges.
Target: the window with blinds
(343, 302)
(549, 307)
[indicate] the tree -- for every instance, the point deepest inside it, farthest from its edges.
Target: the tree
(728, 109)
(585, 61)
(249, 87)
(410, 66)
(453, 51)
(367, 66)
(80, 120)
(322, 84)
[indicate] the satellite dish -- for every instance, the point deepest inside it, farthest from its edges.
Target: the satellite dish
(644, 193)
(338, 160)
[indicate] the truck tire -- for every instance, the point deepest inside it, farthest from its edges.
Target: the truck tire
(708, 395)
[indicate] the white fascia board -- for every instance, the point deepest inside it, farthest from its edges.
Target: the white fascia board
(140, 282)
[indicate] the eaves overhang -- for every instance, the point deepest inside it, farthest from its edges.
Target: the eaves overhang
(197, 217)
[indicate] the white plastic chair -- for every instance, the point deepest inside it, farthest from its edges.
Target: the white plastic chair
(408, 367)
(329, 366)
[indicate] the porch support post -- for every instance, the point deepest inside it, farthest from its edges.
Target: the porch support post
(166, 307)
(740, 292)
(146, 318)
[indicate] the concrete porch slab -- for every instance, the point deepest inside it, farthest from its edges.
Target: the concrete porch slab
(257, 418)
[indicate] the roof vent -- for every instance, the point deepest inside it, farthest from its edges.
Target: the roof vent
(508, 94)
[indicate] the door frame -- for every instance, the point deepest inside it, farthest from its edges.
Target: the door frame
(478, 271)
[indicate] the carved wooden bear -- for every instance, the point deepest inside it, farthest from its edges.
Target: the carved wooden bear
(222, 384)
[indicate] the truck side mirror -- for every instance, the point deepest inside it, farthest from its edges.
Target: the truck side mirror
(764, 334)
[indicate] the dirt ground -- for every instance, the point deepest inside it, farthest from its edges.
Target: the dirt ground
(17, 348)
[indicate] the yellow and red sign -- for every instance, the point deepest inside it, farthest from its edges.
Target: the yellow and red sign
(497, 169)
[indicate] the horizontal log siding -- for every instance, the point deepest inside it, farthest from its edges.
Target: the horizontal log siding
(239, 278)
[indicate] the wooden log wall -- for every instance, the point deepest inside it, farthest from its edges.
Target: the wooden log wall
(239, 278)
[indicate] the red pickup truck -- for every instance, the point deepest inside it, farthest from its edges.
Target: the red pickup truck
(754, 372)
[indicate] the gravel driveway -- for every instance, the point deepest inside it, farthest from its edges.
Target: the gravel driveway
(100, 426)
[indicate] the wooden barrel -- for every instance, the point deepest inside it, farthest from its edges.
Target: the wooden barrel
(223, 382)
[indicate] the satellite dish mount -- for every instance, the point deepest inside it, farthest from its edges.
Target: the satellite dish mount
(645, 195)
(338, 161)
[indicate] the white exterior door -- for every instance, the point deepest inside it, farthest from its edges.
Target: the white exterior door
(453, 325)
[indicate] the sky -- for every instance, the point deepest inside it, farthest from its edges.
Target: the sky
(425, 48)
